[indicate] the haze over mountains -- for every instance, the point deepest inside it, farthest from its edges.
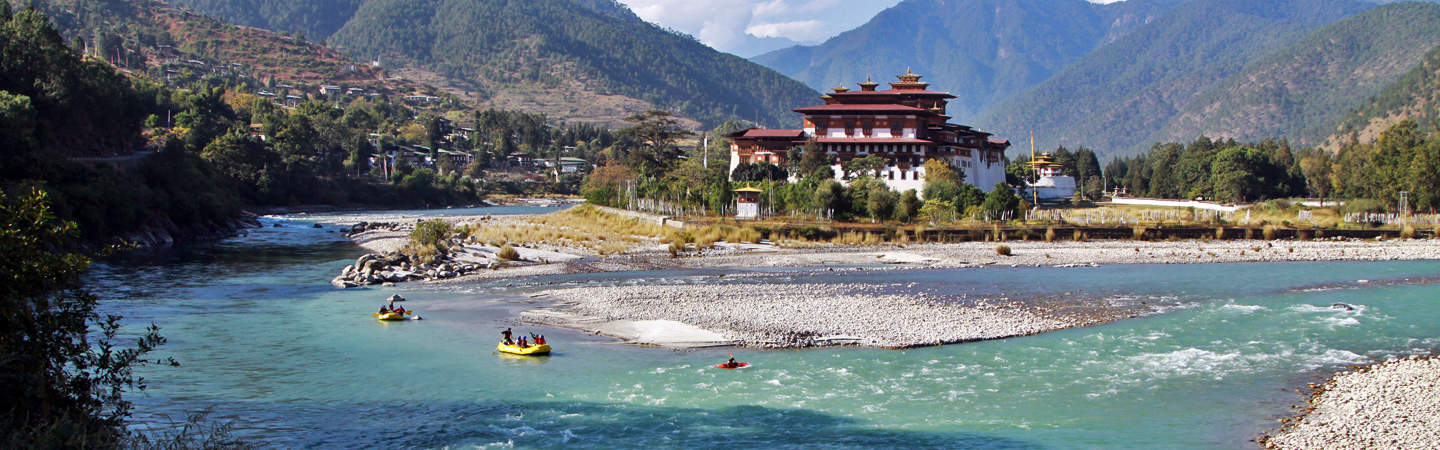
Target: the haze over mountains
(1122, 76)
(980, 50)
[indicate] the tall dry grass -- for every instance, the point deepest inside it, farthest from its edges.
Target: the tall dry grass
(583, 227)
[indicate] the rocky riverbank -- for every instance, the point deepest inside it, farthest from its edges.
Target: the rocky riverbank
(801, 315)
(383, 236)
(1394, 404)
(388, 265)
(163, 232)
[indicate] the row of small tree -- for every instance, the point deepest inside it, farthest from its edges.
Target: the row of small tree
(684, 184)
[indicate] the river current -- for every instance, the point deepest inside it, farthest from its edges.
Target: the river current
(266, 344)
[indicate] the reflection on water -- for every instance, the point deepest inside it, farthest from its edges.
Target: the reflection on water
(266, 342)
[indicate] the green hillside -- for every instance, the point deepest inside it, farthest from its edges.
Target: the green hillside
(980, 50)
(581, 60)
(1300, 92)
(1114, 99)
(315, 19)
(1415, 96)
(567, 61)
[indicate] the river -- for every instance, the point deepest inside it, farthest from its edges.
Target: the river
(266, 344)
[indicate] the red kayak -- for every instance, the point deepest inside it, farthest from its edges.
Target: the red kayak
(728, 366)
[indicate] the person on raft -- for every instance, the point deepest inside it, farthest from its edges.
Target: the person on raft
(522, 343)
(505, 337)
(384, 309)
(538, 339)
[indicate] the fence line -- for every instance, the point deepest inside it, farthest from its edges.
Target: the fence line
(1393, 218)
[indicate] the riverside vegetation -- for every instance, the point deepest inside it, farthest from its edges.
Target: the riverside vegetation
(66, 371)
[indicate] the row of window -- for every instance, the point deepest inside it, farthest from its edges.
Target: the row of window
(867, 126)
(875, 148)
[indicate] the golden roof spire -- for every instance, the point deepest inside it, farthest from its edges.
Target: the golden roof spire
(841, 88)
(868, 85)
(910, 80)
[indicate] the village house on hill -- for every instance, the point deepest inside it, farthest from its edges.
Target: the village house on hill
(906, 125)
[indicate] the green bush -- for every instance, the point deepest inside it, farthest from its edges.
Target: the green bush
(1002, 250)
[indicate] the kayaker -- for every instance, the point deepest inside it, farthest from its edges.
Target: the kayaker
(506, 337)
(731, 363)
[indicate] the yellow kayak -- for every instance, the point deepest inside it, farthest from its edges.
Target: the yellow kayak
(390, 315)
(542, 349)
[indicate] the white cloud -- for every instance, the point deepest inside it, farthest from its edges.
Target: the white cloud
(750, 27)
(800, 30)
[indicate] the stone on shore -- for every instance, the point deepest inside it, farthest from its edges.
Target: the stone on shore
(800, 315)
(1395, 404)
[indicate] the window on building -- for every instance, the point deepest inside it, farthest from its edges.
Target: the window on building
(896, 127)
(868, 125)
(849, 127)
(821, 126)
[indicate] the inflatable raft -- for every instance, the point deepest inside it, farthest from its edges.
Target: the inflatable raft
(535, 350)
(391, 315)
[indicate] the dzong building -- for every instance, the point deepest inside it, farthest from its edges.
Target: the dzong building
(905, 124)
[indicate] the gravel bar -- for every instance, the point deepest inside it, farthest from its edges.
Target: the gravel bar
(811, 314)
(1395, 404)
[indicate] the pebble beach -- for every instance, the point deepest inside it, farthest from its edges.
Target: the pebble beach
(1394, 404)
(805, 315)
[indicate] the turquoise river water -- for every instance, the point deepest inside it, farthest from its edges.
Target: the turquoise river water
(268, 345)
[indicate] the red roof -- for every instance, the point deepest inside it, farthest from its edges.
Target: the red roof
(759, 132)
(865, 140)
(999, 141)
(767, 133)
(867, 107)
(892, 92)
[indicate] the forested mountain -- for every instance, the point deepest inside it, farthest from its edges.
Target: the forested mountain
(179, 45)
(980, 50)
(1299, 93)
(315, 19)
(586, 60)
(1114, 99)
(1416, 96)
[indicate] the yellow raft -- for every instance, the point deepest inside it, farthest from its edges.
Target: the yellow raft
(533, 350)
(391, 315)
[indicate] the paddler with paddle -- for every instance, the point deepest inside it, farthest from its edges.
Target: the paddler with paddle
(730, 364)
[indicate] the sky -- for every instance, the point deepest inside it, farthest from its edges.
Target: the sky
(751, 27)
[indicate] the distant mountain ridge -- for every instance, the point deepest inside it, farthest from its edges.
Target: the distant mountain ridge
(315, 19)
(1117, 97)
(555, 53)
(584, 60)
(1415, 96)
(1301, 92)
(983, 51)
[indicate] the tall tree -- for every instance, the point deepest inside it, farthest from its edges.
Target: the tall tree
(656, 133)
